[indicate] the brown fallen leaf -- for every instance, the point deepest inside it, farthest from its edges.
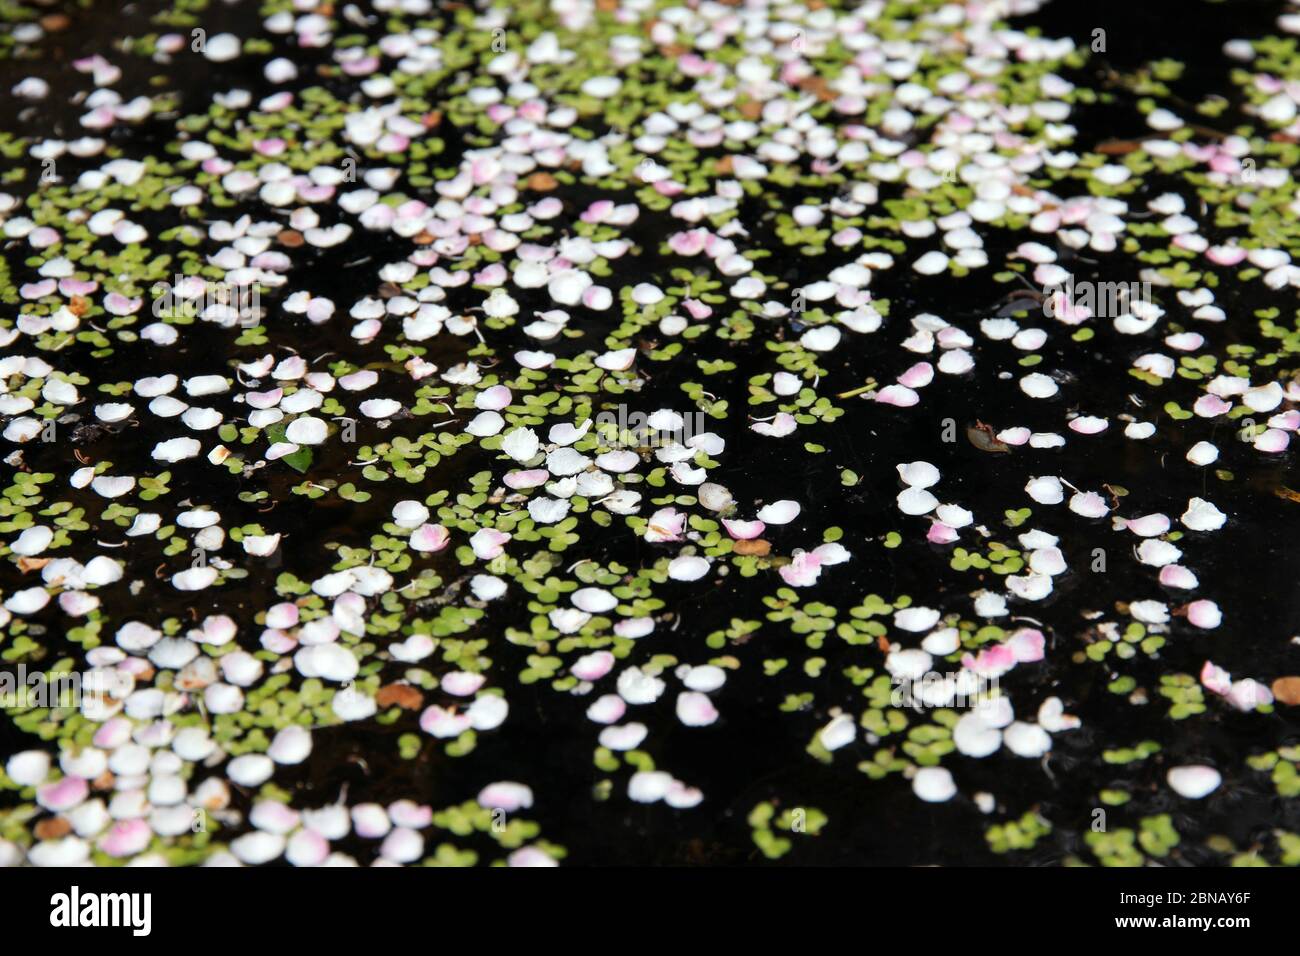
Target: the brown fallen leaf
(1287, 690)
(753, 546)
(401, 695)
(816, 85)
(1287, 494)
(983, 437)
(32, 564)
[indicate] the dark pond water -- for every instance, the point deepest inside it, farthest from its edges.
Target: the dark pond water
(756, 752)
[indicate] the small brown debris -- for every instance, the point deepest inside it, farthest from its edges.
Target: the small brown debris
(1287, 494)
(750, 109)
(290, 238)
(79, 305)
(541, 182)
(753, 546)
(607, 6)
(1117, 147)
(32, 564)
(400, 695)
(431, 119)
(422, 238)
(104, 781)
(724, 166)
(52, 828)
(55, 22)
(1287, 690)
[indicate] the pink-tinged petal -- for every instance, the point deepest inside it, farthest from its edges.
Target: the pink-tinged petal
(780, 426)
(488, 543)
(461, 683)
(607, 710)
(443, 723)
(1027, 645)
(697, 309)
(695, 709)
(1014, 436)
(831, 553)
(1204, 614)
(1248, 693)
(506, 795)
(991, 661)
(521, 480)
(529, 856)
(743, 530)
(282, 616)
(117, 304)
(898, 395)
(37, 290)
(688, 567)
(1287, 421)
(126, 838)
(598, 211)
(273, 146)
(63, 794)
(1273, 441)
(408, 813)
(690, 243)
(779, 512)
(803, 571)
(1088, 425)
(918, 376)
(666, 524)
(1194, 782)
(592, 667)
(71, 287)
(1176, 576)
(1215, 679)
(370, 821)
(1225, 255)
(307, 848)
(940, 533)
(1208, 406)
(114, 733)
(430, 538)
(493, 399)
(1148, 526)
